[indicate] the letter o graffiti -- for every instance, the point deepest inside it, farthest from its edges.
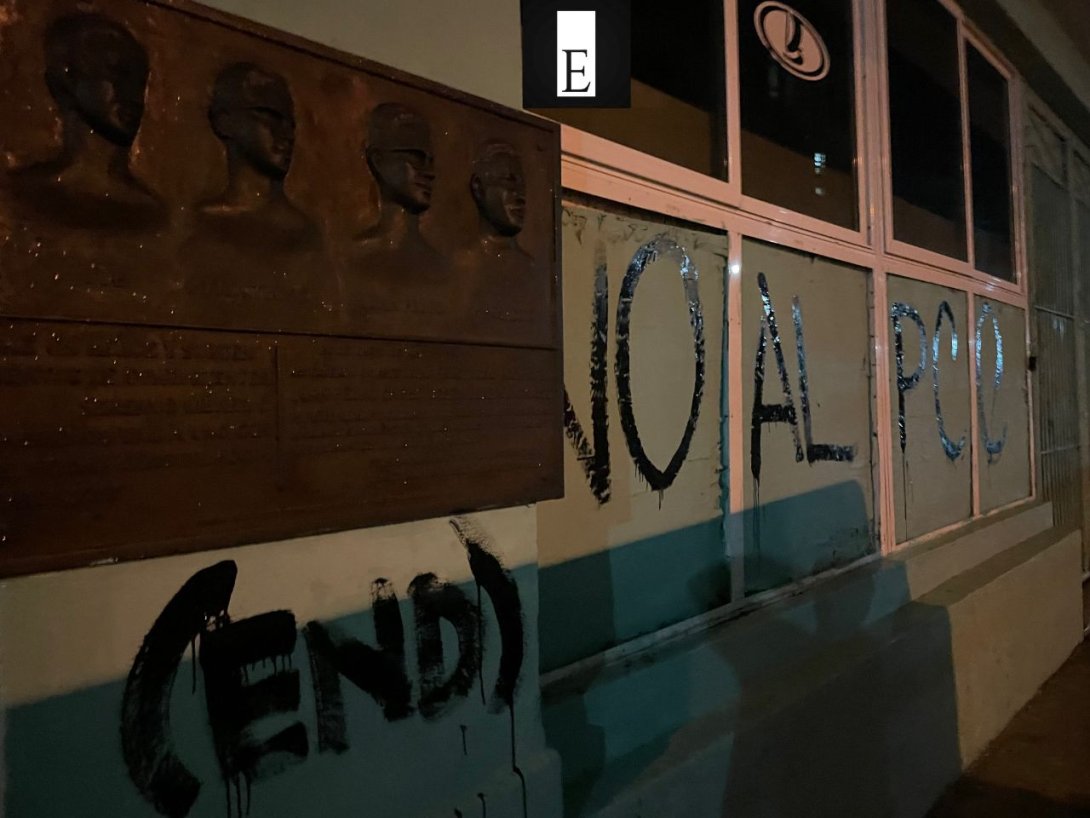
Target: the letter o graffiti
(657, 479)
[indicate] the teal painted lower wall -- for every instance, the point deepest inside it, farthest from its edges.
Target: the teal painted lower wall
(614, 595)
(796, 537)
(847, 699)
(595, 602)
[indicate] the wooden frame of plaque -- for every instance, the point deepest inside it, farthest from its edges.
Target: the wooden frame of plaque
(253, 288)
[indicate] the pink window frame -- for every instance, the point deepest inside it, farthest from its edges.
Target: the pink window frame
(604, 169)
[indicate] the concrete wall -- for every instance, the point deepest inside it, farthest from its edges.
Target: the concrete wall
(347, 667)
(360, 701)
(866, 695)
(103, 711)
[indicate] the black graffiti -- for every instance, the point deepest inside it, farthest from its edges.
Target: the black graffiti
(146, 738)
(432, 601)
(993, 447)
(770, 412)
(658, 479)
(765, 413)
(501, 588)
(229, 655)
(248, 674)
(594, 458)
(379, 672)
(834, 452)
(906, 383)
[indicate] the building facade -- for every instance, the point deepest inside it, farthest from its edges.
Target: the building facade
(825, 322)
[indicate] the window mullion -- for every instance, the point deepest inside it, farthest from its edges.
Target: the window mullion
(974, 414)
(732, 88)
(966, 143)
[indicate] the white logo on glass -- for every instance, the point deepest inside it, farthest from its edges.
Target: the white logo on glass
(792, 40)
(575, 57)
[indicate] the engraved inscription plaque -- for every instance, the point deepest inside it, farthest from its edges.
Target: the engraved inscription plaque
(253, 288)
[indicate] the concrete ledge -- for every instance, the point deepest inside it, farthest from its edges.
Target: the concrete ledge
(1013, 621)
(865, 695)
(932, 563)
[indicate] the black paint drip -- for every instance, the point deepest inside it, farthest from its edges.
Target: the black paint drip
(502, 589)
(834, 452)
(906, 383)
(770, 412)
(146, 743)
(379, 672)
(235, 704)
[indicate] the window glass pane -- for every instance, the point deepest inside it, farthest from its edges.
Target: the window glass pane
(930, 401)
(678, 97)
(925, 127)
(989, 123)
(798, 106)
(806, 347)
(636, 542)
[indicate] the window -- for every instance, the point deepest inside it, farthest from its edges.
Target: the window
(874, 382)
(930, 406)
(678, 110)
(806, 362)
(950, 140)
(925, 127)
(989, 128)
(797, 82)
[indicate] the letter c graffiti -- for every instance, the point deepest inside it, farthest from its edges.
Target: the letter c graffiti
(994, 447)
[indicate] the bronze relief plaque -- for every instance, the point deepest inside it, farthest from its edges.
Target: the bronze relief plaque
(253, 288)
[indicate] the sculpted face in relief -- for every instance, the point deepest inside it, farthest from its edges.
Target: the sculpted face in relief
(97, 74)
(498, 186)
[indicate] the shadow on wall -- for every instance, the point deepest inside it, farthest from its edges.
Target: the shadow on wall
(837, 702)
(970, 798)
(594, 602)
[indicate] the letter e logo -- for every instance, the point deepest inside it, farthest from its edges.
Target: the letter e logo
(575, 54)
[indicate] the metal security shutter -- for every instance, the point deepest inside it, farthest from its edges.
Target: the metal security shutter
(1054, 293)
